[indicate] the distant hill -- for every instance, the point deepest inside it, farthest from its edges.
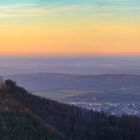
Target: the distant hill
(24, 116)
(109, 82)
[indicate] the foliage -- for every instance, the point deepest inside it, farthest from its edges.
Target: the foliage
(76, 123)
(23, 126)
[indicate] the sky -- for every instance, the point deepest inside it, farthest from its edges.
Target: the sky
(69, 27)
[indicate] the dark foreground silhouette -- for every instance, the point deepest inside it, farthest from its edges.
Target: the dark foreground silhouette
(24, 116)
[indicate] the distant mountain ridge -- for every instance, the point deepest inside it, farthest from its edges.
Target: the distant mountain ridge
(107, 82)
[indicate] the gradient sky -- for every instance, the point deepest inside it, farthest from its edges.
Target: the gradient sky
(69, 27)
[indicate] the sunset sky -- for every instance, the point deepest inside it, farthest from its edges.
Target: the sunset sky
(69, 27)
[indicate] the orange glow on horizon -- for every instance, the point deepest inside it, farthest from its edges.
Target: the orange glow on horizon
(81, 39)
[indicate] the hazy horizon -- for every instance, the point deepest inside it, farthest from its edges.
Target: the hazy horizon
(70, 65)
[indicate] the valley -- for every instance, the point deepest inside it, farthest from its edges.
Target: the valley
(111, 93)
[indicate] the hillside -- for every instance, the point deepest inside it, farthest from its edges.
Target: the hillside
(122, 83)
(18, 122)
(24, 116)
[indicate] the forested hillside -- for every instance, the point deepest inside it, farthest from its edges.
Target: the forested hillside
(24, 116)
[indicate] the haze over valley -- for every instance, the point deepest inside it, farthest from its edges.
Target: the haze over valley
(69, 69)
(81, 81)
(70, 65)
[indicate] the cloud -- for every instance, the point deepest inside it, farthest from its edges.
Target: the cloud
(16, 10)
(89, 8)
(40, 10)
